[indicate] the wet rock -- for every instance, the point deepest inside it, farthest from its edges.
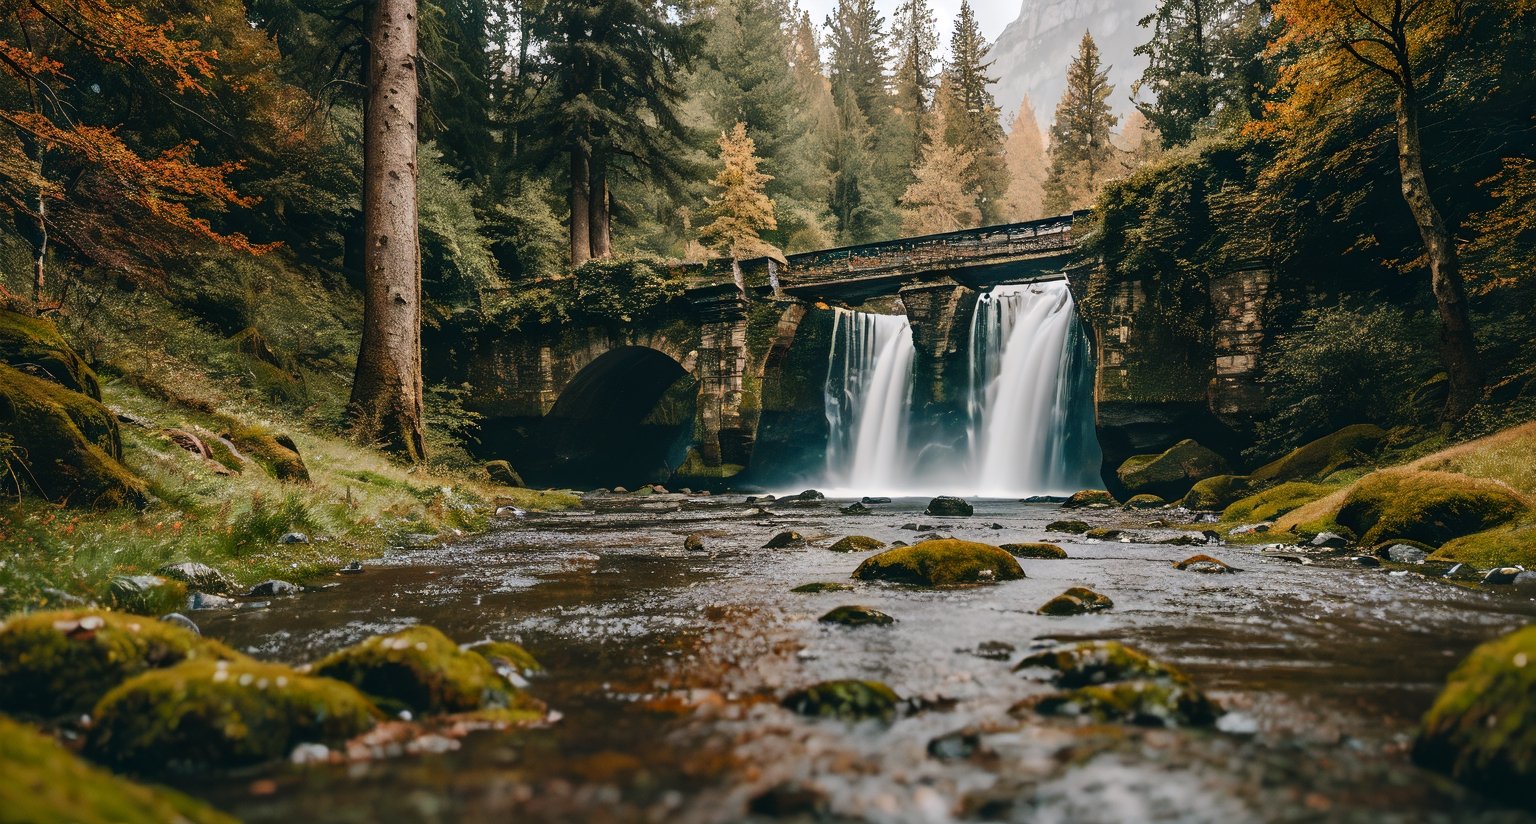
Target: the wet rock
(1043, 499)
(933, 536)
(1247, 529)
(1145, 502)
(1069, 527)
(847, 700)
(202, 714)
(272, 588)
(789, 800)
(785, 539)
(878, 500)
(856, 543)
(176, 619)
(289, 538)
(1097, 662)
(993, 650)
(941, 563)
(856, 616)
(510, 512)
(54, 664)
(948, 505)
(198, 576)
(1103, 534)
(1076, 601)
(1367, 561)
(1502, 576)
(1172, 473)
(822, 586)
(807, 495)
(501, 472)
(856, 509)
(995, 526)
(507, 656)
(1089, 497)
(353, 568)
(60, 598)
(1146, 703)
(1425, 506)
(916, 527)
(419, 669)
(1212, 537)
(694, 542)
(1328, 540)
(1204, 564)
(1479, 730)
(761, 499)
(899, 543)
(1042, 551)
(955, 746)
(1184, 540)
(1463, 572)
(1525, 582)
(146, 594)
(202, 601)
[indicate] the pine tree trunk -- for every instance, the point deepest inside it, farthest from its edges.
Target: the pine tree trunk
(1457, 344)
(598, 207)
(581, 205)
(387, 389)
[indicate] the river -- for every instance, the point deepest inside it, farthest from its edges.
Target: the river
(667, 667)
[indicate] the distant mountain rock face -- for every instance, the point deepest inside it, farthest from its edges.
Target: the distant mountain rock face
(1031, 55)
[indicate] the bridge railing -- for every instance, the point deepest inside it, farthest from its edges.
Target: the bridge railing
(942, 250)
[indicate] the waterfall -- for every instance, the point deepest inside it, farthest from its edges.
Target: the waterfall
(869, 388)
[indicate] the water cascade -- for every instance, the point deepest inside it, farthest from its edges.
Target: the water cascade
(869, 389)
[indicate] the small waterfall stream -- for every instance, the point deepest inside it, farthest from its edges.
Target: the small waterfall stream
(1031, 422)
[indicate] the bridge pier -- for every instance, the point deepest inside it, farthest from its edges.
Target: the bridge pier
(940, 310)
(722, 438)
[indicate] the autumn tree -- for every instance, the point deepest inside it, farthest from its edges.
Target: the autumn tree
(971, 117)
(939, 200)
(741, 209)
(1081, 152)
(1024, 152)
(1349, 51)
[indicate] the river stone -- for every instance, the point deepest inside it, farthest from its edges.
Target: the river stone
(807, 495)
(1328, 540)
(146, 594)
(878, 500)
(269, 588)
(1069, 527)
(955, 746)
(1367, 561)
(293, 538)
(200, 601)
(856, 509)
(941, 563)
(856, 616)
(1145, 502)
(1076, 601)
(856, 543)
(1098, 662)
(1202, 563)
(1042, 551)
(916, 527)
(785, 539)
(1089, 497)
(1145, 703)
(1043, 499)
(949, 505)
(1501, 576)
(198, 576)
(822, 586)
(354, 568)
(848, 700)
(994, 650)
(694, 543)
(932, 536)
(176, 619)
(1103, 533)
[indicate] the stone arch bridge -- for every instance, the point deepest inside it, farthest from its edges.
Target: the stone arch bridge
(728, 382)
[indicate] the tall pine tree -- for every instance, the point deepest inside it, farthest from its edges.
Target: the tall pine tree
(1081, 152)
(863, 199)
(915, 42)
(972, 122)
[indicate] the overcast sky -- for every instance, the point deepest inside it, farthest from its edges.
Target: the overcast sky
(993, 14)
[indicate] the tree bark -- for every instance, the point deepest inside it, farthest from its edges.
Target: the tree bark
(387, 389)
(1457, 345)
(581, 230)
(598, 207)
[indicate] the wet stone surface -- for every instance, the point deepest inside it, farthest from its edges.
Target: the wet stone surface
(669, 669)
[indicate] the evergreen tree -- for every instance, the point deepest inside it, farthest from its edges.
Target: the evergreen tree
(1081, 152)
(741, 209)
(971, 117)
(863, 198)
(859, 54)
(1027, 166)
(938, 200)
(1205, 65)
(915, 40)
(859, 203)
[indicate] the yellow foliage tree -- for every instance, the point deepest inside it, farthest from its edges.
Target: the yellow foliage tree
(1027, 165)
(938, 200)
(742, 207)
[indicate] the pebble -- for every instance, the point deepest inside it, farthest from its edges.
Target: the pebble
(1406, 554)
(694, 543)
(197, 601)
(293, 538)
(272, 587)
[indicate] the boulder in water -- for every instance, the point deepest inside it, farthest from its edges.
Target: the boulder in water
(1088, 498)
(856, 616)
(875, 500)
(948, 505)
(273, 587)
(1097, 662)
(856, 509)
(1143, 703)
(694, 542)
(1069, 527)
(856, 543)
(1076, 601)
(941, 563)
(1202, 563)
(848, 700)
(822, 586)
(784, 540)
(1041, 551)
(419, 669)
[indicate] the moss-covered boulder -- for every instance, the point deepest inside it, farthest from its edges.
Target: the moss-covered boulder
(64, 445)
(214, 714)
(848, 700)
(34, 346)
(43, 782)
(200, 577)
(1274, 502)
(822, 586)
(1172, 473)
(56, 664)
(501, 472)
(419, 669)
(941, 563)
(853, 615)
(1090, 498)
(1098, 662)
(1104, 533)
(1482, 728)
(1203, 564)
(1145, 501)
(1218, 493)
(146, 594)
(857, 543)
(1430, 507)
(1070, 527)
(507, 657)
(276, 452)
(785, 540)
(1076, 601)
(1512, 543)
(1350, 447)
(1037, 550)
(1145, 703)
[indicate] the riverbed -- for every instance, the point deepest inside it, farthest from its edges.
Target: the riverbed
(666, 668)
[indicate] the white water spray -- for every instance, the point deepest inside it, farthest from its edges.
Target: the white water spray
(869, 390)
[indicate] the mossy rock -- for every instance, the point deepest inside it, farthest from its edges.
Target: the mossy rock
(1347, 448)
(822, 586)
(1076, 601)
(1172, 473)
(1040, 551)
(276, 452)
(501, 472)
(1482, 728)
(1274, 502)
(1218, 493)
(57, 664)
(848, 700)
(505, 655)
(1510, 544)
(853, 615)
(1069, 527)
(223, 454)
(857, 543)
(1145, 703)
(1145, 501)
(785, 540)
(34, 346)
(1089, 497)
(1098, 662)
(218, 714)
(1203, 564)
(419, 669)
(1430, 507)
(46, 783)
(67, 446)
(146, 594)
(941, 563)
(1104, 533)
